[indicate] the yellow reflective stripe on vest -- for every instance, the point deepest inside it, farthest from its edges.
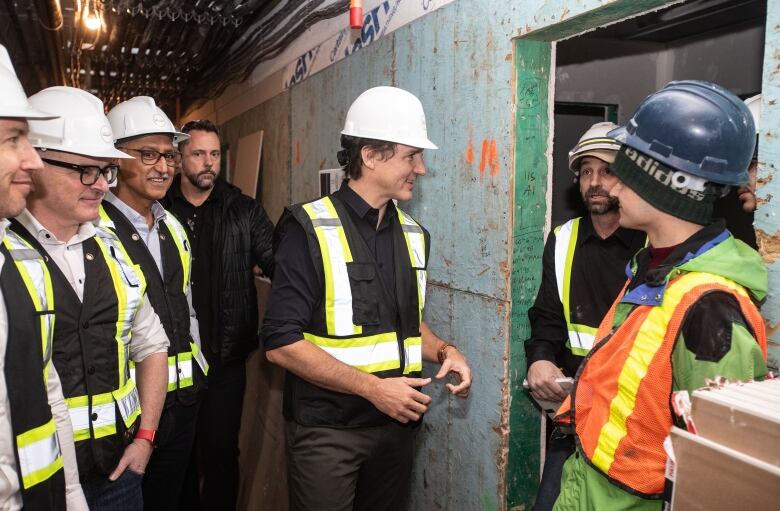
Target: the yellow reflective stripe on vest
(369, 354)
(130, 286)
(182, 246)
(181, 375)
(649, 340)
(37, 279)
(415, 244)
(102, 417)
(39, 454)
(413, 354)
(581, 337)
(335, 256)
(197, 354)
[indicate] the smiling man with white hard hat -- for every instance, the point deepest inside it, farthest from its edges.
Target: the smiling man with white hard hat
(38, 468)
(345, 318)
(158, 243)
(104, 319)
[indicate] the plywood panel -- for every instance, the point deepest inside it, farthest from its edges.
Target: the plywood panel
(248, 157)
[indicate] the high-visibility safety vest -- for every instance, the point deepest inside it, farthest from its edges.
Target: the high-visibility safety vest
(622, 397)
(358, 323)
(29, 298)
(92, 346)
(580, 339)
(167, 293)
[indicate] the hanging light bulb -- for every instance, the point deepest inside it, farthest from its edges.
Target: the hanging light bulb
(92, 18)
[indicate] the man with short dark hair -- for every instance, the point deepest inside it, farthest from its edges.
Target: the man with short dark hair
(346, 318)
(230, 234)
(158, 243)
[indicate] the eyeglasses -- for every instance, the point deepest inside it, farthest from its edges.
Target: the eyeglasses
(89, 173)
(151, 157)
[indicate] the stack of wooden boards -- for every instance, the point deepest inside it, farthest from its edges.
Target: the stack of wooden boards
(732, 462)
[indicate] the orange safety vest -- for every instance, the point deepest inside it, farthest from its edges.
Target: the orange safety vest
(622, 396)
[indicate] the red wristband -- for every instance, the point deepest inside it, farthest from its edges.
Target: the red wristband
(146, 434)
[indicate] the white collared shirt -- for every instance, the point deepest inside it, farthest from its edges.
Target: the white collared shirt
(151, 237)
(148, 336)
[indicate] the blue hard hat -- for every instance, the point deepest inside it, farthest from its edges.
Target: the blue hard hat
(694, 126)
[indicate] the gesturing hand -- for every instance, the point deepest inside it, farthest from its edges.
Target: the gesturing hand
(456, 363)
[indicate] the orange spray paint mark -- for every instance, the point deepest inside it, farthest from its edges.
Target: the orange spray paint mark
(483, 159)
(470, 148)
(297, 152)
(493, 159)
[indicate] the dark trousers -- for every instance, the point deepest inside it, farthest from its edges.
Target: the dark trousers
(358, 469)
(215, 457)
(124, 494)
(559, 447)
(165, 472)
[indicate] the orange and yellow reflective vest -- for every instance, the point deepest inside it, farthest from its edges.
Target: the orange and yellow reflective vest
(620, 406)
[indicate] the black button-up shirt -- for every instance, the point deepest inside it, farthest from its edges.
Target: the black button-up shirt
(296, 291)
(199, 221)
(597, 276)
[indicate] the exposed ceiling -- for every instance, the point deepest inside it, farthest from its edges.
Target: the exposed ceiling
(179, 52)
(692, 18)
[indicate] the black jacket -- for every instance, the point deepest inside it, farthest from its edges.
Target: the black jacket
(242, 238)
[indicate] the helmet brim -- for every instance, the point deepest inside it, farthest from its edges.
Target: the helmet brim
(26, 113)
(605, 155)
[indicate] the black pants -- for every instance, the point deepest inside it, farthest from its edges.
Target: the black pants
(165, 472)
(215, 457)
(559, 447)
(357, 469)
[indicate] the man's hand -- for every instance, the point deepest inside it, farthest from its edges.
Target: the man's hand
(541, 380)
(398, 397)
(135, 458)
(456, 363)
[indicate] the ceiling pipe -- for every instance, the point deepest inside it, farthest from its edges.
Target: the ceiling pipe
(356, 14)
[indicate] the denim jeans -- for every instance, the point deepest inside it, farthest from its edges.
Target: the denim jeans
(124, 494)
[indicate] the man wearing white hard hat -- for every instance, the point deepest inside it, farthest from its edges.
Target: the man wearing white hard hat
(583, 270)
(345, 318)
(37, 459)
(103, 317)
(158, 243)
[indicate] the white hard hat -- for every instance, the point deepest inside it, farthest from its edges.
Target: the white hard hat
(13, 100)
(82, 127)
(596, 143)
(140, 116)
(389, 114)
(754, 105)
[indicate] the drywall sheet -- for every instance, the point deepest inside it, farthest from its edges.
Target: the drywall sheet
(248, 157)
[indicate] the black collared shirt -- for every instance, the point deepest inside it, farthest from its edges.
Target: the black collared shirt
(296, 291)
(199, 222)
(597, 276)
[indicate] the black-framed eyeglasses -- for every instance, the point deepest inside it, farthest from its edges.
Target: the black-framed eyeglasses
(89, 173)
(151, 157)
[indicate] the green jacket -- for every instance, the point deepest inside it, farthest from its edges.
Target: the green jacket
(718, 344)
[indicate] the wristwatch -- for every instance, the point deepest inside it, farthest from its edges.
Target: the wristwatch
(146, 434)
